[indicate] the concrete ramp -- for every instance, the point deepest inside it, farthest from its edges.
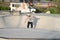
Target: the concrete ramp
(29, 33)
(45, 26)
(46, 21)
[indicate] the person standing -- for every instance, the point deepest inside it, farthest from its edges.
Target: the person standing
(30, 21)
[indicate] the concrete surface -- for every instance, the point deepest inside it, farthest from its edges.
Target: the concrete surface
(28, 39)
(46, 21)
(29, 33)
(45, 26)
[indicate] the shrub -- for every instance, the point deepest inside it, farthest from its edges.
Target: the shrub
(42, 10)
(58, 10)
(39, 9)
(53, 10)
(4, 8)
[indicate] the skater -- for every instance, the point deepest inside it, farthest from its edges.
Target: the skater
(30, 21)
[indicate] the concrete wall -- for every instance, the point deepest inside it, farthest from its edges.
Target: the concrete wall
(46, 26)
(50, 22)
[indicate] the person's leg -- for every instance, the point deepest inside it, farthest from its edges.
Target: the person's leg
(28, 25)
(31, 24)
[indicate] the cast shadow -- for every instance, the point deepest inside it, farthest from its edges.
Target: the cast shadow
(35, 21)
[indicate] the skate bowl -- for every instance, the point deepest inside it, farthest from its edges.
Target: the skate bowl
(47, 21)
(45, 26)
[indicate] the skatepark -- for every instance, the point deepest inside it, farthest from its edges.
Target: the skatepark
(45, 26)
